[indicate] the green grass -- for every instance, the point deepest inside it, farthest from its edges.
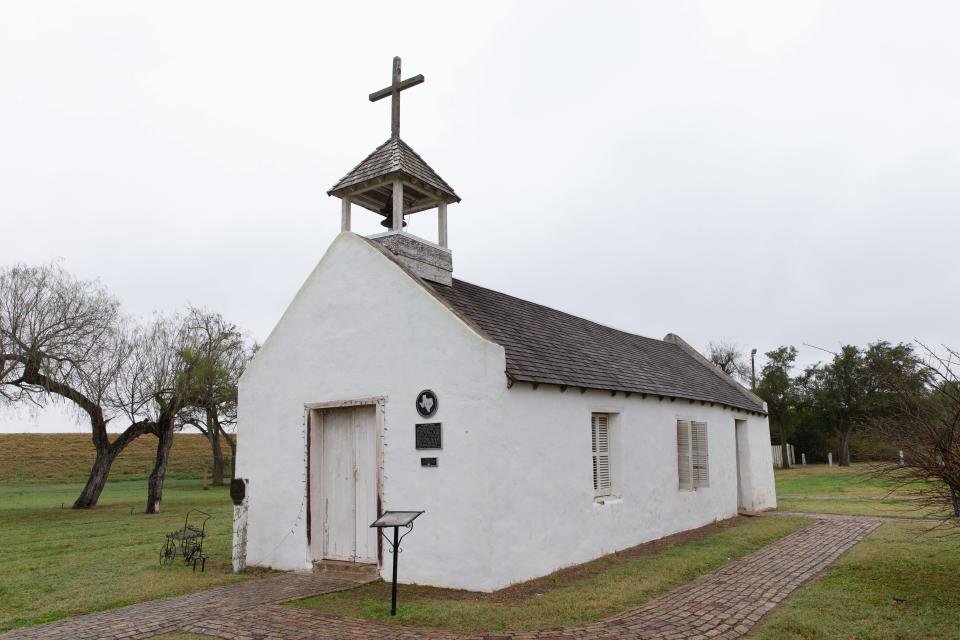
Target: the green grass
(899, 583)
(842, 490)
(902, 582)
(621, 584)
(57, 562)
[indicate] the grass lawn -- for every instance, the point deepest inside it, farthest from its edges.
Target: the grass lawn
(615, 583)
(67, 457)
(902, 582)
(899, 583)
(841, 490)
(60, 562)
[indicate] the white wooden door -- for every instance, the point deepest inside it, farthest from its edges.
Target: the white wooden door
(348, 483)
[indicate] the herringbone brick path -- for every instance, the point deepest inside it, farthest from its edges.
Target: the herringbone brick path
(722, 604)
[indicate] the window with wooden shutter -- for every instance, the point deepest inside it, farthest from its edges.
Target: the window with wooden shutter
(692, 460)
(698, 441)
(684, 458)
(600, 436)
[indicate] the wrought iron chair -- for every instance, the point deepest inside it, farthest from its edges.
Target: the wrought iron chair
(187, 542)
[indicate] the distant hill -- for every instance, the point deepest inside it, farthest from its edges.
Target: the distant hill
(67, 457)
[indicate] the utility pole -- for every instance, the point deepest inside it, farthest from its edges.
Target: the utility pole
(753, 369)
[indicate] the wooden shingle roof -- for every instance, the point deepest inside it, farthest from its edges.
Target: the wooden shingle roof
(394, 158)
(547, 346)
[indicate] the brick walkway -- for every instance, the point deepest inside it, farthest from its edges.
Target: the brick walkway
(152, 618)
(725, 603)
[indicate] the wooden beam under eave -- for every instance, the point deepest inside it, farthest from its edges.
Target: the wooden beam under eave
(368, 203)
(423, 204)
(536, 385)
(362, 187)
(427, 188)
(563, 388)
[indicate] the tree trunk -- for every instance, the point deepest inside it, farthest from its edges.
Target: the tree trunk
(98, 478)
(784, 449)
(843, 447)
(233, 454)
(107, 452)
(213, 433)
(155, 484)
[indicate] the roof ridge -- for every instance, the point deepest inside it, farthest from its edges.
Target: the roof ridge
(701, 359)
(407, 146)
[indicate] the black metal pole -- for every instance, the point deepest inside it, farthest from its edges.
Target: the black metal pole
(396, 552)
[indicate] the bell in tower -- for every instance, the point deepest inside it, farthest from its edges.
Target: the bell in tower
(387, 213)
(394, 181)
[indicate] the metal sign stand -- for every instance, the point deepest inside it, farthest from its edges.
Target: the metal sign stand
(395, 519)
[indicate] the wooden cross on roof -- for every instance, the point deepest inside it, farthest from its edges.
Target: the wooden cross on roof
(396, 86)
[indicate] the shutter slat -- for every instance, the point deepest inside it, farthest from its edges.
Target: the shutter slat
(701, 470)
(684, 466)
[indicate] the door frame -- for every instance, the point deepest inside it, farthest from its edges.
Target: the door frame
(740, 427)
(313, 467)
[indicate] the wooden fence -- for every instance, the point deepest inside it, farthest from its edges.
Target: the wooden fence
(778, 455)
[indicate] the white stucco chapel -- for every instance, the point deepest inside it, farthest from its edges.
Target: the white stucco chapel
(532, 439)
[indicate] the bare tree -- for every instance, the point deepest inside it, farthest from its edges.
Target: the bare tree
(153, 387)
(62, 340)
(728, 357)
(219, 362)
(924, 422)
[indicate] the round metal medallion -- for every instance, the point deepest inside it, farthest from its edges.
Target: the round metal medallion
(427, 403)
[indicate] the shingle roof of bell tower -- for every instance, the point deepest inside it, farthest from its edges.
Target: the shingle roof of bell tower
(369, 183)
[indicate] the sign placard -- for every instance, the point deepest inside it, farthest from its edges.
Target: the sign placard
(429, 436)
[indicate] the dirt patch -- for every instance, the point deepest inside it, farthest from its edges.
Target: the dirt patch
(519, 593)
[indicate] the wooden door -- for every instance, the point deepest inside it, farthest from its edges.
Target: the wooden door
(348, 487)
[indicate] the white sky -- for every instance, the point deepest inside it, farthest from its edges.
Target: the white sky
(767, 172)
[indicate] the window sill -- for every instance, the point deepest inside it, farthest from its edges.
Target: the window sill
(607, 500)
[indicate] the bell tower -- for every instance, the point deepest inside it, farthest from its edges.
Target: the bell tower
(394, 181)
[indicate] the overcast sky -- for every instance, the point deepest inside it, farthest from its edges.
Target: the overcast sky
(766, 172)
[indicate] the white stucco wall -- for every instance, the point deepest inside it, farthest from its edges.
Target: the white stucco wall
(756, 467)
(512, 497)
(544, 486)
(361, 327)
